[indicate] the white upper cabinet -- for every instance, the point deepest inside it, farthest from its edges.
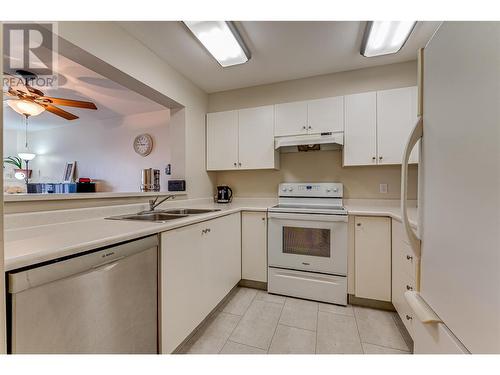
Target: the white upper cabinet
(310, 117)
(242, 139)
(325, 115)
(222, 140)
(360, 130)
(291, 119)
(396, 116)
(256, 138)
(377, 126)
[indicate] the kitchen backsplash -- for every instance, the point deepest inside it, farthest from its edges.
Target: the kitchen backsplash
(321, 166)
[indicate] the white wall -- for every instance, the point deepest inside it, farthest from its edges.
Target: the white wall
(10, 142)
(10, 147)
(115, 46)
(103, 150)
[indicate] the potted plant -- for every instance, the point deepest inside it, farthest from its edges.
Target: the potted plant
(17, 162)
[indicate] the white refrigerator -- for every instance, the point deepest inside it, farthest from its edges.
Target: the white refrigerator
(457, 306)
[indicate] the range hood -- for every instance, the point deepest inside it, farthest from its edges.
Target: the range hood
(306, 142)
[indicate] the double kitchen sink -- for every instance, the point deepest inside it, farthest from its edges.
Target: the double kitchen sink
(162, 216)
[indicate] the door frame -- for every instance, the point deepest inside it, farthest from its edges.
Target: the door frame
(3, 327)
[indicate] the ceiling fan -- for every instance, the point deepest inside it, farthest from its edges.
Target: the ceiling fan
(29, 101)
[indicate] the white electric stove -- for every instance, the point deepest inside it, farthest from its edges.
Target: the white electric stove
(307, 242)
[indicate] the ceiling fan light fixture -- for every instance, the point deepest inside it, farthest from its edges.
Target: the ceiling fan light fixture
(25, 107)
(385, 37)
(222, 40)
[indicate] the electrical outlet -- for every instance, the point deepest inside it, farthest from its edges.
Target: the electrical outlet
(383, 188)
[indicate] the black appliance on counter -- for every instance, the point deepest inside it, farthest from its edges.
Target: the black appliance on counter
(224, 194)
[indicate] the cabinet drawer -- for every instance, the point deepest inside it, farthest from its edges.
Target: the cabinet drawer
(400, 284)
(403, 258)
(327, 288)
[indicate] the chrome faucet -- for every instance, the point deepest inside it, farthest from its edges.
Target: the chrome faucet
(153, 203)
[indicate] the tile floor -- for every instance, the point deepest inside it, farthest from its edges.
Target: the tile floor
(255, 322)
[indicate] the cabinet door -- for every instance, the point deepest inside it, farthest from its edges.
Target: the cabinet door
(291, 119)
(404, 273)
(222, 140)
(325, 115)
(220, 258)
(360, 146)
(256, 138)
(396, 116)
(254, 246)
(181, 297)
(372, 252)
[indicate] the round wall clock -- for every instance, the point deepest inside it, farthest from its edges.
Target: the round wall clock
(143, 144)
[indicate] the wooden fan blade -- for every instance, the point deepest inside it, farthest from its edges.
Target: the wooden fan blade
(60, 112)
(71, 103)
(14, 83)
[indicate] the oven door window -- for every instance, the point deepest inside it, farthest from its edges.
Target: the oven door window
(306, 241)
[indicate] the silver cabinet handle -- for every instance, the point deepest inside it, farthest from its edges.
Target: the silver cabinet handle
(408, 287)
(409, 257)
(408, 317)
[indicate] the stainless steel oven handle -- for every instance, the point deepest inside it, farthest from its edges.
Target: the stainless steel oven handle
(306, 217)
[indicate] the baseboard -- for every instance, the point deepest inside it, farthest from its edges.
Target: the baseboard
(183, 345)
(253, 284)
(366, 302)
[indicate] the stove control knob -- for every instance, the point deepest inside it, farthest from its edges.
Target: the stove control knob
(290, 189)
(328, 190)
(284, 189)
(335, 190)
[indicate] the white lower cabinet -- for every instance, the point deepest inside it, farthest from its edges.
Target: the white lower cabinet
(404, 275)
(372, 257)
(200, 264)
(254, 246)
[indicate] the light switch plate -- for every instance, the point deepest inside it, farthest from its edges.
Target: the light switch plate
(383, 188)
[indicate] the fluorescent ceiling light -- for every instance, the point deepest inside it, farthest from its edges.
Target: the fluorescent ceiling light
(385, 37)
(222, 40)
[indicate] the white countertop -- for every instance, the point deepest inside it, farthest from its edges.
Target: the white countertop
(32, 238)
(23, 197)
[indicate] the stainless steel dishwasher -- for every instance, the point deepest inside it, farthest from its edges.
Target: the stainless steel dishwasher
(105, 301)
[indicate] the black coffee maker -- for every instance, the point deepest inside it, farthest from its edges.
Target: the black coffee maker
(224, 194)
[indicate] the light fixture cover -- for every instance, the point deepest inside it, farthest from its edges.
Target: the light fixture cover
(222, 40)
(26, 155)
(385, 37)
(25, 107)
